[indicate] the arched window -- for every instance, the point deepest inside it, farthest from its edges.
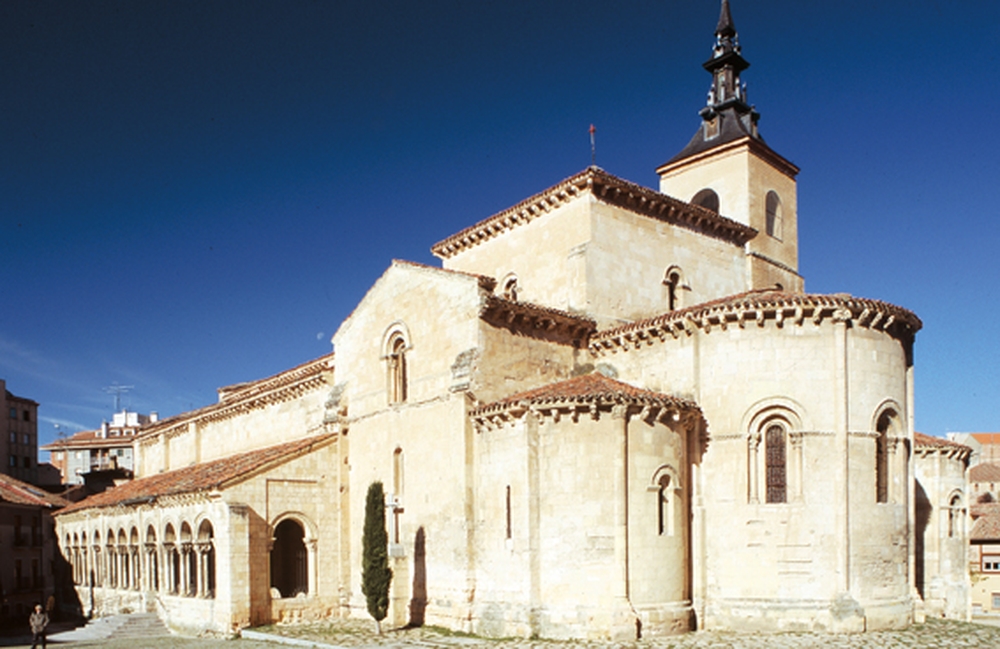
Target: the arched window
(776, 463)
(884, 426)
(707, 198)
(396, 363)
(206, 559)
(664, 519)
(955, 516)
(289, 561)
(773, 222)
(673, 280)
(510, 288)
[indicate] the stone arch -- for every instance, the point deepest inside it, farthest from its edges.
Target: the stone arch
(205, 549)
(396, 342)
(510, 286)
(293, 555)
(673, 281)
(773, 214)
(955, 504)
(774, 450)
(665, 483)
(888, 425)
(152, 559)
(707, 198)
(171, 559)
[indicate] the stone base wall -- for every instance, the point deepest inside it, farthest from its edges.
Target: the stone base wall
(842, 615)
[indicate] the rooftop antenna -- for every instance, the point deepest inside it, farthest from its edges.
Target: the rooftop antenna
(118, 391)
(593, 148)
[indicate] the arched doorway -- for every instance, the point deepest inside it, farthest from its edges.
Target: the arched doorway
(289, 560)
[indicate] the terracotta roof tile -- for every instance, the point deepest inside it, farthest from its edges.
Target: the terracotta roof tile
(608, 189)
(986, 528)
(590, 388)
(201, 477)
(758, 300)
(14, 491)
(985, 472)
(89, 439)
(929, 441)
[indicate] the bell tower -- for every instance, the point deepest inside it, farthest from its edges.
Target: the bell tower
(728, 168)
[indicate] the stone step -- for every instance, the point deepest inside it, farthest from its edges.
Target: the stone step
(137, 625)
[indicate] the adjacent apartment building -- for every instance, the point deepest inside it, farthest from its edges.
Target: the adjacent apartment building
(109, 448)
(19, 435)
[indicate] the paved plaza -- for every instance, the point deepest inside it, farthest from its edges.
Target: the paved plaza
(359, 634)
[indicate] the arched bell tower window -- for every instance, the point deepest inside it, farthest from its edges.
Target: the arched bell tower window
(707, 198)
(773, 222)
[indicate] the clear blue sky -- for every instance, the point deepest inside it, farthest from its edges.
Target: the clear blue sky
(196, 193)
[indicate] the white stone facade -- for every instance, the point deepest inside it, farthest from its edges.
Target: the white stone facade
(612, 414)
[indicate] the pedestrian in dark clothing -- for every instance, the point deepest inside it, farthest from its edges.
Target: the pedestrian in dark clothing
(39, 621)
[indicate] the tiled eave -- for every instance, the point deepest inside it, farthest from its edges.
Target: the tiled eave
(584, 395)
(190, 481)
(608, 189)
(533, 319)
(256, 395)
(929, 445)
(759, 309)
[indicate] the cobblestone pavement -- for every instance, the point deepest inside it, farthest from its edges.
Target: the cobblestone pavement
(935, 634)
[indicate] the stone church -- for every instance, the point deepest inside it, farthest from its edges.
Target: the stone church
(612, 412)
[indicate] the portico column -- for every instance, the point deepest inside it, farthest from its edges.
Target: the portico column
(311, 566)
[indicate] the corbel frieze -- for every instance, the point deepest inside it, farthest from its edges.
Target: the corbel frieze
(777, 309)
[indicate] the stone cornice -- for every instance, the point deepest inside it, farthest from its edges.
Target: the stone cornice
(589, 395)
(755, 147)
(758, 308)
(247, 397)
(537, 321)
(607, 189)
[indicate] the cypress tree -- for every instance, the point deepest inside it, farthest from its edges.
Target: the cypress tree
(375, 572)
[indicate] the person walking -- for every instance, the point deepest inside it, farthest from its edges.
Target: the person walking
(39, 620)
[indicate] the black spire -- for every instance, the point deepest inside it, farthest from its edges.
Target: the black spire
(725, 26)
(727, 115)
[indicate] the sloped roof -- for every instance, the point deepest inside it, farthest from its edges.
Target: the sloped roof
(202, 477)
(590, 388)
(936, 442)
(760, 305)
(985, 472)
(608, 189)
(240, 397)
(986, 438)
(89, 439)
(14, 491)
(986, 528)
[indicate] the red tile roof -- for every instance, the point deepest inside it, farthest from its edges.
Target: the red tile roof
(930, 441)
(14, 491)
(985, 472)
(590, 388)
(608, 189)
(89, 439)
(986, 528)
(758, 301)
(202, 477)
(986, 438)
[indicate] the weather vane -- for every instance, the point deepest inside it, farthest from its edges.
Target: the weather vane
(593, 148)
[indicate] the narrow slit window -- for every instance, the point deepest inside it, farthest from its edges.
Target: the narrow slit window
(774, 447)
